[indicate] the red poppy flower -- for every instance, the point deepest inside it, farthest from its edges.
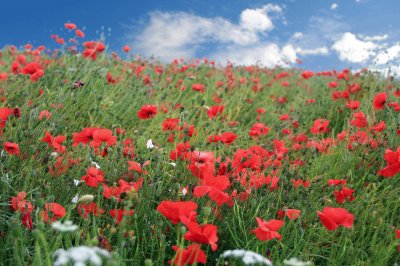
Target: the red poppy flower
(11, 148)
(392, 159)
(79, 33)
(299, 182)
(379, 101)
(292, 214)
(227, 137)
(360, 120)
(118, 215)
(307, 74)
(336, 182)
(258, 129)
(135, 166)
(199, 87)
(26, 220)
(331, 218)
(213, 111)
(170, 124)
(103, 135)
(379, 127)
(34, 70)
(203, 234)
(214, 186)
(70, 26)
(86, 209)
(174, 211)
(56, 209)
(320, 126)
(147, 111)
(45, 114)
(342, 195)
(126, 49)
(19, 203)
(201, 163)
(193, 254)
(55, 142)
(268, 230)
(353, 105)
(3, 76)
(84, 137)
(332, 84)
(93, 177)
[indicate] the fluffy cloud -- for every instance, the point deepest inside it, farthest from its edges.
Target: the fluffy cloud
(170, 35)
(388, 55)
(316, 51)
(266, 55)
(298, 35)
(353, 50)
(373, 38)
(258, 19)
(334, 6)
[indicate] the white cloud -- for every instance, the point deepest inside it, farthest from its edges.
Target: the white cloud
(388, 55)
(334, 6)
(298, 35)
(353, 50)
(258, 19)
(316, 51)
(373, 38)
(170, 35)
(266, 55)
(319, 32)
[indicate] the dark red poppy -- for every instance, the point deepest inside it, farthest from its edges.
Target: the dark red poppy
(147, 111)
(11, 148)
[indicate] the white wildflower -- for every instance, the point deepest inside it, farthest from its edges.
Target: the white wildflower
(296, 262)
(75, 199)
(96, 165)
(248, 257)
(77, 182)
(67, 226)
(149, 144)
(2, 153)
(54, 154)
(173, 164)
(184, 191)
(80, 256)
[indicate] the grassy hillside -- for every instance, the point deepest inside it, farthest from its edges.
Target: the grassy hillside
(240, 146)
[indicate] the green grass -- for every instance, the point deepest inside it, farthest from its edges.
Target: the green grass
(149, 235)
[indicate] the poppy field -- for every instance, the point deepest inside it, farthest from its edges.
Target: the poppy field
(111, 159)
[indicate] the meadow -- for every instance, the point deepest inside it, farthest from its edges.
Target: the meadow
(116, 160)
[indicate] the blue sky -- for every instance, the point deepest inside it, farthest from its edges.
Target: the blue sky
(323, 34)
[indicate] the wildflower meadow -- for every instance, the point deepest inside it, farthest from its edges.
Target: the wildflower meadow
(112, 159)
